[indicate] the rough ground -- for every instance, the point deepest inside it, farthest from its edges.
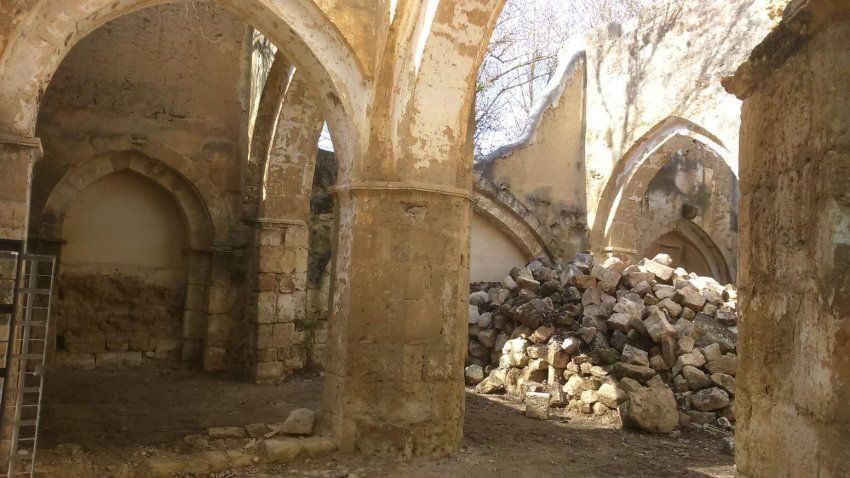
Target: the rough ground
(120, 414)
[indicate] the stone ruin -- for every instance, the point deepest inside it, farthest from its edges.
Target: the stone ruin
(654, 343)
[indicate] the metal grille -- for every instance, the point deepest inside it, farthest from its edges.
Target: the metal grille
(26, 349)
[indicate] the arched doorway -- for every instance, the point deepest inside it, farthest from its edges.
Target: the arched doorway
(123, 277)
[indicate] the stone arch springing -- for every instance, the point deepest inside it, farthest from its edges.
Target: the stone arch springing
(201, 227)
(614, 231)
(299, 27)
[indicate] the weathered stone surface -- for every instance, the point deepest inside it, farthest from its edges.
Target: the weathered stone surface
(479, 298)
(658, 326)
(299, 422)
(710, 399)
(727, 364)
(611, 395)
(537, 405)
(697, 380)
(724, 381)
(491, 384)
(662, 273)
(281, 450)
(635, 356)
(637, 372)
(474, 374)
(650, 409)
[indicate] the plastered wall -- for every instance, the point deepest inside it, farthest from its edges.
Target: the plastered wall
(165, 89)
(123, 276)
(493, 253)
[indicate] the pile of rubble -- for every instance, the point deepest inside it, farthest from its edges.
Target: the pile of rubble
(651, 341)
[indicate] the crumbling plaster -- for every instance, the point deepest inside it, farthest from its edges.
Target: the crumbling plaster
(411, 187)
(616, 89)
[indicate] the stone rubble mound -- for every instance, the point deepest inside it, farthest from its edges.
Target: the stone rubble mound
(651, 341)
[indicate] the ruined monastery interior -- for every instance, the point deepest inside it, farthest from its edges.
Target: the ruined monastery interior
(250, 238)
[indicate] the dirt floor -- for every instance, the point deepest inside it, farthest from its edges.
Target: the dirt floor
(119, 416)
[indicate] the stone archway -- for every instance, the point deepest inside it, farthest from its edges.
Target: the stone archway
(614, 230)
(202, 230)
(715, 262)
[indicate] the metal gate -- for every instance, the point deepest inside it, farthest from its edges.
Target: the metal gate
(23, 346)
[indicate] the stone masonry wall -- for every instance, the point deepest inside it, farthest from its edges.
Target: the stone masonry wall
(794, 337)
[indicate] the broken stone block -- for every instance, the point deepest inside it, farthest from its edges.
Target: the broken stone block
(589, 397)
(605, 355)
(604, 274)
(662, 273)
(479, 298)
(711, 352)
(657, 363)
(694, 359)
(527, 283)
(727, 364)
(685, 345)
(474, 374)
(680, 385)
(488, 338)
(498, 295)
(634, 279)
(696, 378)
(587, 334)
(658, 326)
(724, 381)
(710, 399)
(662, 291)
(537, 351)
(281, 450)
(707, 331)
(574, 386)
(257, 430)
(537, 405)
(509, 283)
(655, 381)
(611, 395)
(485, 320)
(473, 315)
(634, 355)
(673, 309)
(636, 372)
(591, 296)
(726, 316)
(537, 364)
(571, 345)
(557, 357)
(690, 297)
(491, 384)
(542, 334)
(299, 422)
(650, 409)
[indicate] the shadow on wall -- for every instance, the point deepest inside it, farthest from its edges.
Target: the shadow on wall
(643, 87)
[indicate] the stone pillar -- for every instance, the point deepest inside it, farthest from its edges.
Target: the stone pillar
(280, 298)
(17, 157)
(793, 385)
(394, 370)
(195, 308)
